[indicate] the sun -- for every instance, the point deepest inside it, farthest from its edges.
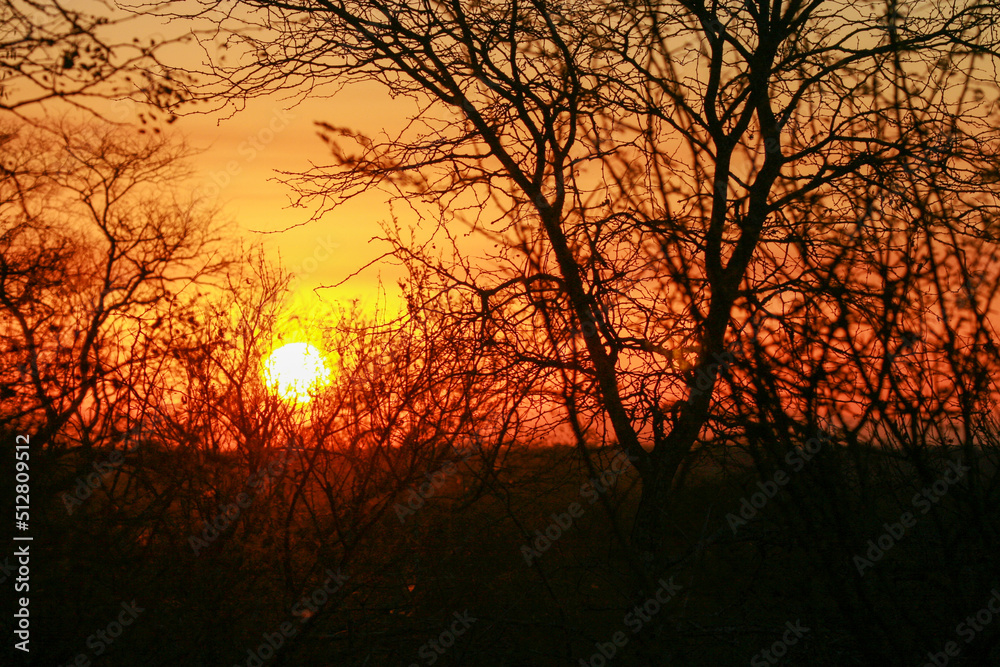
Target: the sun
(295, 370)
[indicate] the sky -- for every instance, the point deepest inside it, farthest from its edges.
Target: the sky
(242, 157)
(241, 153)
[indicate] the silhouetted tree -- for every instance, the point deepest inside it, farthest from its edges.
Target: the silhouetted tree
(643, 163)
(715, 225)
(95, 250)
(51, 50)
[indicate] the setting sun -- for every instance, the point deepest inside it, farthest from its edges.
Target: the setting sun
(296, 369)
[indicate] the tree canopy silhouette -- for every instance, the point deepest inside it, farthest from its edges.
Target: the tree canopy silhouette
(761, 235)
(53, 51)
(94, 252)
(657, 174)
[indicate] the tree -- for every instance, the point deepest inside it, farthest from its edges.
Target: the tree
(663, 178)
(50, 51)
(769, 122)
(93, 256)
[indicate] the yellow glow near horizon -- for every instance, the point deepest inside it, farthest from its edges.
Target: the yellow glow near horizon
(296, 369)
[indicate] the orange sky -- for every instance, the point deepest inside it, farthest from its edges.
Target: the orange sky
(242, 155)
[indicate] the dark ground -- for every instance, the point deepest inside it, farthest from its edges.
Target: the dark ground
(454, 571)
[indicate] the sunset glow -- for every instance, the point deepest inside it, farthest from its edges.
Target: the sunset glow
(296, 370)
(495, 333)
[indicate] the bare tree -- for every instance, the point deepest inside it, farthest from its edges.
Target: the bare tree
(52, 51)
(95, 250)
(644, 163)
(396, 408)
(716, 226)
